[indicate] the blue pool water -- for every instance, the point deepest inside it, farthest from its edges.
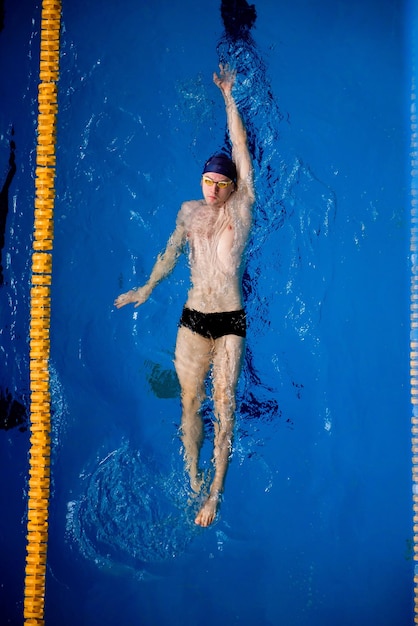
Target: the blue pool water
(315, 527)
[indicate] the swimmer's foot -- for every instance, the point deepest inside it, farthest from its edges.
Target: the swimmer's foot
(208, 511)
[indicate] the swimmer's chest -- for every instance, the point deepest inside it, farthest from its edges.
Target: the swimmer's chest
(209, 229)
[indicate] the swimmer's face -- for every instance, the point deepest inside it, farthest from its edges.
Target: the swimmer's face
(216, 188)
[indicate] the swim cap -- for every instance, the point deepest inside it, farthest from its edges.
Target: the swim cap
(221, 164)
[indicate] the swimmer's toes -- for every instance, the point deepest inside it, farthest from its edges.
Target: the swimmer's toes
(207, 513)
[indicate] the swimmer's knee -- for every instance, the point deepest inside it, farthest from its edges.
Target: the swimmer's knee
(192, 398)
(224, 400)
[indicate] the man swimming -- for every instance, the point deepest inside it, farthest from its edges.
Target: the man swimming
(212, 327)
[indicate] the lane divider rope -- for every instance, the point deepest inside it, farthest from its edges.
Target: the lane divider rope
(40, 317)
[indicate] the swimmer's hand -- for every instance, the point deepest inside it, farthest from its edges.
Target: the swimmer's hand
(134, 296)
(226, 79)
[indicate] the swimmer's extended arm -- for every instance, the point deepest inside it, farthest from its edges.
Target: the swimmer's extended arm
(163, 266)
(240, 153)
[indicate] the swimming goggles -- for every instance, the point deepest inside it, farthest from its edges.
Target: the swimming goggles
(222, 184)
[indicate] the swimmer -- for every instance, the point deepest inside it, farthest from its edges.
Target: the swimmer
(212, 328)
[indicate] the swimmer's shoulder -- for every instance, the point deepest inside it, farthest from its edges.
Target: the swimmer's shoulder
(190, 205)
(188, 208)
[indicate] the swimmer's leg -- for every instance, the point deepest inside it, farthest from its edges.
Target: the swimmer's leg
(192, 361)
(226, 369)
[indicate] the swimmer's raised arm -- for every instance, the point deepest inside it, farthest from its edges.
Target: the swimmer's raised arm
(163, 266)
(240, 153)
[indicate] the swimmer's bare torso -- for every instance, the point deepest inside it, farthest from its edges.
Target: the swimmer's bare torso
(216, 238)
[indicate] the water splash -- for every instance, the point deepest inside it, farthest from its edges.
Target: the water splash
(130, 515)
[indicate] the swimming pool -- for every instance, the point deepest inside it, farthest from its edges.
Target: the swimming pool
(316, 521)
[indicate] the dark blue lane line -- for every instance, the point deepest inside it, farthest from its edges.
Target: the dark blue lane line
(238, 17)
(12, 412)
(4, 202)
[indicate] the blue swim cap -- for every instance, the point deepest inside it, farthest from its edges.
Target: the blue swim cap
(221, 164)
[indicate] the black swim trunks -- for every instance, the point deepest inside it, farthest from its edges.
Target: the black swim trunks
(214, 325)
